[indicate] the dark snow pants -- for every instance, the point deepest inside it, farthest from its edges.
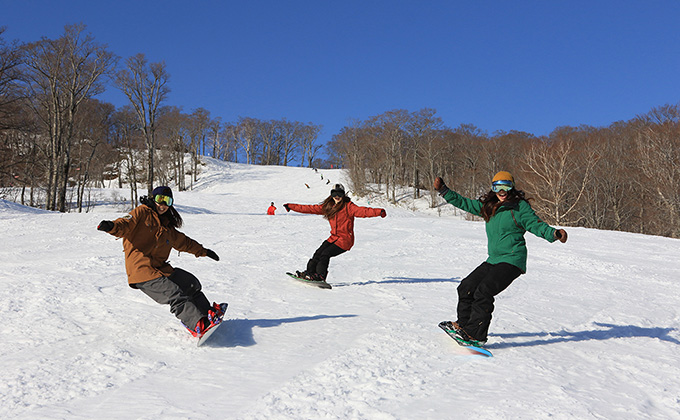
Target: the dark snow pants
(182, 291)
(319, 262)
(476, 296)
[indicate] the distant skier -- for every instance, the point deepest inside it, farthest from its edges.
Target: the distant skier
(508, 215)
(271, 210)
(149, 233)
(340, 212)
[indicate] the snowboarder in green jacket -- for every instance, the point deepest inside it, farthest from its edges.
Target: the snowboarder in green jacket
(508, 215)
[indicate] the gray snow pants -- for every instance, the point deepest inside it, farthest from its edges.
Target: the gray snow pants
(182, 291)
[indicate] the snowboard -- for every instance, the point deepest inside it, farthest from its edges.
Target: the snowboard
(477, 350)
(202, 339)
(320, 284)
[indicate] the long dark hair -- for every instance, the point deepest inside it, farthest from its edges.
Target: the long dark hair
(330, 209)
(170, 218)
(491, 203)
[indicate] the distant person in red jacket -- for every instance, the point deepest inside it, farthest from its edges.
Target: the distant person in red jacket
(340, 212)
(271, 210)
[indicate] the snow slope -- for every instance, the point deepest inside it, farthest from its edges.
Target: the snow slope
(590, 332)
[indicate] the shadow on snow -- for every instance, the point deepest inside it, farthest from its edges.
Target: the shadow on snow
(400, 280)
(239, 332)
(611, 331)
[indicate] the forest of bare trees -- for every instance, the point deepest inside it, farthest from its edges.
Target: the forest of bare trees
(622, 177)
(58, 141)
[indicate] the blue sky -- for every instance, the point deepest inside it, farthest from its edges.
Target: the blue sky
(500, 65)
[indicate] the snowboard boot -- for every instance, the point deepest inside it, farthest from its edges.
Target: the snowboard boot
(202, 326)
(317, 277)
(451, 327)
(216, 313)
(465, 338)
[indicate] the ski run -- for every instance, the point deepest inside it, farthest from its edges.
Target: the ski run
(591, 331)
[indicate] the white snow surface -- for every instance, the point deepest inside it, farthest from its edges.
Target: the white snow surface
(591, 331)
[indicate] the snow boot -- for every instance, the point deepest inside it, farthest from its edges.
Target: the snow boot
(202, 326)
(466, 339)
(216, 313)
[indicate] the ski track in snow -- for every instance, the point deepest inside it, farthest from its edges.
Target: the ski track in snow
(590, 332)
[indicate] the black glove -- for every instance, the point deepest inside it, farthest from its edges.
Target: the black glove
(285, 206)
(211, 254)
(383, 213)
(105, 225)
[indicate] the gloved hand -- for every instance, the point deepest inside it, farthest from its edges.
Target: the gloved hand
(561, 235)
(285, 206)
(105, 225)
(211, 254)
(440, 186)
(383, 213)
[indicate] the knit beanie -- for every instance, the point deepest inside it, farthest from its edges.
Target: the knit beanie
(503, 176)
(161, 191)
(339, 189)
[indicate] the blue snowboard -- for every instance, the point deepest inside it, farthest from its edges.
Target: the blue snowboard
(477, 350)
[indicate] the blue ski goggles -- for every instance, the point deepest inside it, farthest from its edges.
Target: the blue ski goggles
(163, 199)
(499, 186)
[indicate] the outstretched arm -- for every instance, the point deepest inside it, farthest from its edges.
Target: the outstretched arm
(359, 211)
(531, 222)
(302, 208)
(457, 200)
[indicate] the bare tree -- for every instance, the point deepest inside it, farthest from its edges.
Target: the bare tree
(128, 141)
(199, 121)
(270, 139)
(230, 142)
(93, 129)
(60, 75)
(145, 85)
(422, 128)
(214, 132)
(246, 136)
(174, 130)
(348, 146)
(658, 146)
(10, 74)
(308, 135)
(559, 180)
(289, 131)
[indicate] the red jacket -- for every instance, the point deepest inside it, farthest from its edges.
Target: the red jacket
(271, 210)
(342, 224)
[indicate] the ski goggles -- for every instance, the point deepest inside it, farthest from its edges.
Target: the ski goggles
(337, 193)
(163, 199)
(499, 186)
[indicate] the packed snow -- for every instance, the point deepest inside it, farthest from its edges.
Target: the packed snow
(591, 331)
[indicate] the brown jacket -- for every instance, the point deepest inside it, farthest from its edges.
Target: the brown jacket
(147, 244)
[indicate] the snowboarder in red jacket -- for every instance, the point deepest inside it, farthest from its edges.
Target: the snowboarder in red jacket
(340, 212)
(271, 210)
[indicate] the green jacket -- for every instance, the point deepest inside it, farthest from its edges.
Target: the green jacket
(505, 230)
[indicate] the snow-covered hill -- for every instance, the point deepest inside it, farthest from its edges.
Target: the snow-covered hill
(590, 332)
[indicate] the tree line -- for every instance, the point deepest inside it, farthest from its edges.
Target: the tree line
(622, 177)
(57, 139)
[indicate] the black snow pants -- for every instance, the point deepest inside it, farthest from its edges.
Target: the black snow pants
(476, 296)
(319, 262)
(182, 291)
